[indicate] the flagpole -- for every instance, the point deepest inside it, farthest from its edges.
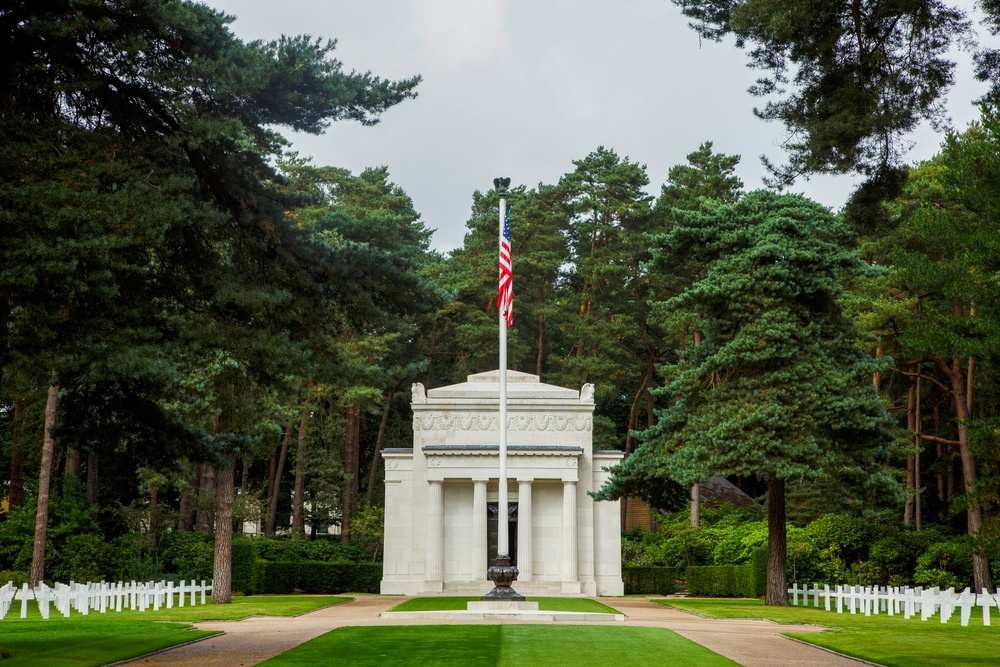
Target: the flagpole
(503, 546)
(503, 574)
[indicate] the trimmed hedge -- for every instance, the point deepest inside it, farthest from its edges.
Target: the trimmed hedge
(318, 577)
(745, 581)
(722, 581)
(654, 580)
(245, 570)
(758, 562)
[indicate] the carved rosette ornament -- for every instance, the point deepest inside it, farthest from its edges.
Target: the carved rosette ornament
(503, 574)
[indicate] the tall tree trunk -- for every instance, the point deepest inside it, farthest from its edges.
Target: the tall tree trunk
(245, 481)
(154, 512)
(186, 519)
(696, 505)
(298, 500)
(980, 563)
(541, 345)
(940, 453)
(272, 466)
(272, 500)
(16, 496)
(911, 428)
(73, 462)
(92, 478)
(44, 482)
(378, 444)
(696, 489)
(777, 582)
(350, 470)
(205, 519)
(222, 585)
(918, 442)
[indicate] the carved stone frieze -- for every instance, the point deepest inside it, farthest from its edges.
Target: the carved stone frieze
(534, 421)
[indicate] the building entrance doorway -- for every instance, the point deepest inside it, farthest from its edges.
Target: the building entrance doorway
(493, 531)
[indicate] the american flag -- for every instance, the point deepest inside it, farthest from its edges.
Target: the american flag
(505, 292)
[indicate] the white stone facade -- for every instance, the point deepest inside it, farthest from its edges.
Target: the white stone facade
(438, 494)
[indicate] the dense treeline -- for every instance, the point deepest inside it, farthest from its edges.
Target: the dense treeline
(199, 328)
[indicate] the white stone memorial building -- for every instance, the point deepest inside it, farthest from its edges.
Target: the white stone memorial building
(441, 504)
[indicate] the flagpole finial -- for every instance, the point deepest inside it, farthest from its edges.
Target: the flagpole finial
(501, 184)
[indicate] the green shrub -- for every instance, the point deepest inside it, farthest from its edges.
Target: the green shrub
(18, 577)
(946, 564)
(842, 536)
(736, 544)
(82, 558)
(318, 577)
(189, 555)
(650, 580)
(130, 559)
(244, 565)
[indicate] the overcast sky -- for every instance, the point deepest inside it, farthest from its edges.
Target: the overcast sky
(521, 88)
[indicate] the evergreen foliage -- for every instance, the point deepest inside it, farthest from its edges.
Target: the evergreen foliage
(848, 81)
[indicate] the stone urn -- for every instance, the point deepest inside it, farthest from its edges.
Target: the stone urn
(503, 574)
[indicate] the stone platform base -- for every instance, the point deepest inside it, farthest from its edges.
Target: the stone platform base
(512, 615)
(501, 605)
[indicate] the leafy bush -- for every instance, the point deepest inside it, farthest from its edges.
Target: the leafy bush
(18, 577)
(736, 544)
(82, 558)
(130, 559)
(843, 537)
(650, 580)
(189, 555)
(946, 564)
(68, 518)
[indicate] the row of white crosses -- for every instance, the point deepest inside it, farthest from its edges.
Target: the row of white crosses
(869, 600)
(103, 596)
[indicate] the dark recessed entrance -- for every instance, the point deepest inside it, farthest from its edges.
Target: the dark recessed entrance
(493, 529)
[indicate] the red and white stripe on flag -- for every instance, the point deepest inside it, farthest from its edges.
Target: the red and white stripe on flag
(505, 292)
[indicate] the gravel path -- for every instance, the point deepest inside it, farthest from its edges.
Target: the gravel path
(752, 643)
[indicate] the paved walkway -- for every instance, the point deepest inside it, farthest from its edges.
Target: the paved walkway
(752, 643)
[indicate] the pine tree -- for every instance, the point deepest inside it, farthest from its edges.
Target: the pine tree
(779, 388)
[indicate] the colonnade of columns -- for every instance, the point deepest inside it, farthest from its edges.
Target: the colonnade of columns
(435, 530)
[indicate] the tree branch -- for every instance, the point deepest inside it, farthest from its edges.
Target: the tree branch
(934, 438)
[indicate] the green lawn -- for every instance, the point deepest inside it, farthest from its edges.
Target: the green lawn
(241, 607)
(547, 604)
(500, 646)
(892, 641)
(88, 641)
(99, 639)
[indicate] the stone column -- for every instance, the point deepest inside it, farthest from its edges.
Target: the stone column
(479, 530)
(524, 527)
(435, 531)
(569, 541)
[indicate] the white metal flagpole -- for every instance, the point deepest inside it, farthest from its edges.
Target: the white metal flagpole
(503, 547)
(504, 572)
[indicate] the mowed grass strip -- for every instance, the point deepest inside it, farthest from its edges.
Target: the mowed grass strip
(88, 641)
(455, 603)
(887, 640)
(500, 646)
(241, 607)
(99, 639)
